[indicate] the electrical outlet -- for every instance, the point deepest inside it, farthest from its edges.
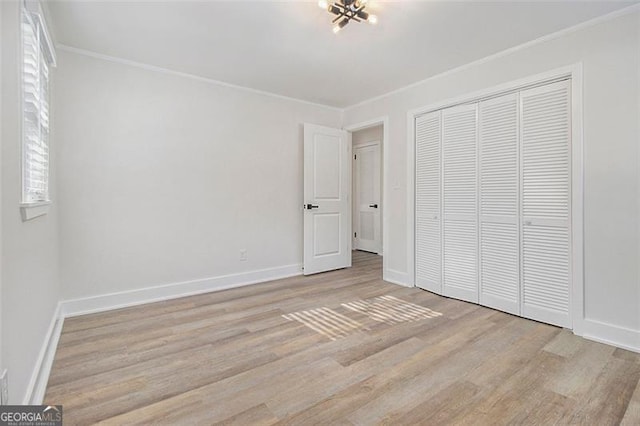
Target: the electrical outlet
(243, 255)
(4, 388)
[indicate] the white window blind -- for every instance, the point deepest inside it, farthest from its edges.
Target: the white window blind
(36, 58)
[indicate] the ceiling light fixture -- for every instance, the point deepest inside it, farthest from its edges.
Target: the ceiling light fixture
(346, 11)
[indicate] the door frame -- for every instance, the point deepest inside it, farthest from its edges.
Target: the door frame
(387, 275)
(574, 72)
(354, 219)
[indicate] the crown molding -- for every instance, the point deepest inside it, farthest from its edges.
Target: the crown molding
(153, 68)
(552, 36)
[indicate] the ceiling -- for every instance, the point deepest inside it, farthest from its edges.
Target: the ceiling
(288, 48)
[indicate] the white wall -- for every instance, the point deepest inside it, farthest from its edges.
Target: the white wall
(359, 137)
(610, 55)
(30, 290)
(164, 179)
(1, 125)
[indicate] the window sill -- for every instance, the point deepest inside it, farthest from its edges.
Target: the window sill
(32, 210)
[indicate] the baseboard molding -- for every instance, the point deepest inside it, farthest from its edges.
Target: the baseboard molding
(396, 277)
(593, 330)
(107, 302)
(610, 334)
(40, 376)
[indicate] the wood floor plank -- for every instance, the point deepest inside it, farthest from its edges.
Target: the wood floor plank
(259, 415)
(577, 377)
(632, 414)
(611, 394)
(440, 408)
(457, 356)
(232, 357)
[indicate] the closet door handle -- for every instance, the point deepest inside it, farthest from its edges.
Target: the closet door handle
(375, 206)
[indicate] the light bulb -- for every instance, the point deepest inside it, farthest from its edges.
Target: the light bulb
(373, 19)
(323, 4)
(340, 25)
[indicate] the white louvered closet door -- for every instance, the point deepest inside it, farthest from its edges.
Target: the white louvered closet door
(546, 208)
(428, 202)
(499, 216)
(460, 257)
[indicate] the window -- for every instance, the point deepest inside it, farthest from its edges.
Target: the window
(37, 57)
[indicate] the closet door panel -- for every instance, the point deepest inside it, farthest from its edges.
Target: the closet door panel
(428, 202)
(460, 259)
(460, 239)
(546, 209)
(499, 218)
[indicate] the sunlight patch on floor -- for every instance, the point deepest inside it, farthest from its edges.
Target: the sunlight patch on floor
(391, 310)
(326, 321)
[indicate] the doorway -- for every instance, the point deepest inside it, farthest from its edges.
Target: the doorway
(331, 234)
(367, 190)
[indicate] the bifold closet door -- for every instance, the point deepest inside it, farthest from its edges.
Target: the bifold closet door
(499, 215)
(546, 207)
(460, 224)
(428, 202)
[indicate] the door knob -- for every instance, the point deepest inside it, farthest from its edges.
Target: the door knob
(310, 206)
(375, 206)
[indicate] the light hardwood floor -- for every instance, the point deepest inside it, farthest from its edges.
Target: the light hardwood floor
(232, 357)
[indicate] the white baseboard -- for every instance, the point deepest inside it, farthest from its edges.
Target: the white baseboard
(594, 330)
(396, 277)
(107, 302)
(610, 334)
(40, 376)
(69, 308)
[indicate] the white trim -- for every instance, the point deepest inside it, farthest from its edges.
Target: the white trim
(592, 22)
(384, 121)
(167, 71)
(501, 89)
(577, 243)
(30, 211)
(610, 334)
(411, 199)
(40, 375)
(638, 192)
(69, 308)
(577, 201)
(123, 299)
(396, 277)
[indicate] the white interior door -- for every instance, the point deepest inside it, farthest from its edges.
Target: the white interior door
(367, 235)
(546, 203)
(460, 233)
(429, 202)
(499, 212)
(327, 210)
(493, 202)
